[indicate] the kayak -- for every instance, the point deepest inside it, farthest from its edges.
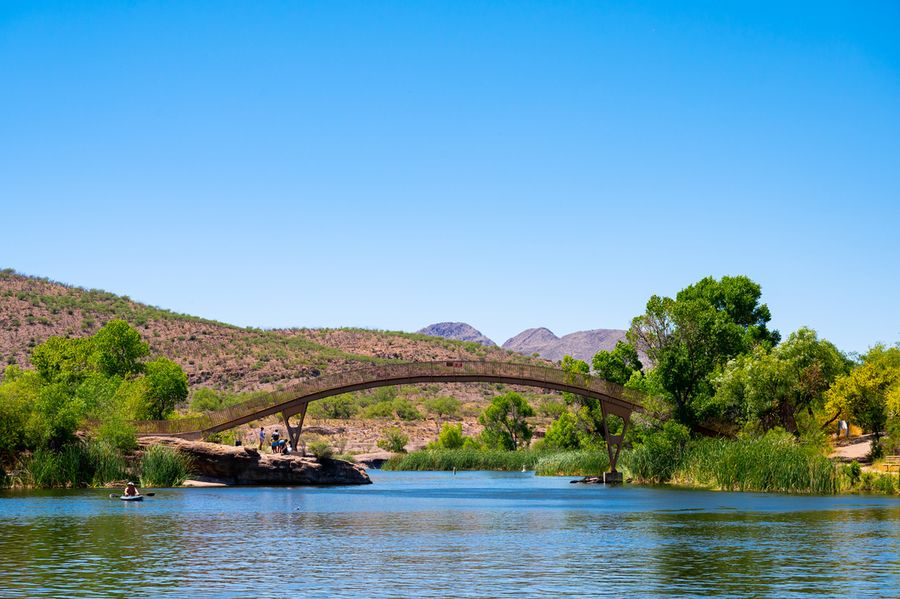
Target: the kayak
(131, 497)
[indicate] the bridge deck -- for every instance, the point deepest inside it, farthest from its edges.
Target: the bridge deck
(615, 399)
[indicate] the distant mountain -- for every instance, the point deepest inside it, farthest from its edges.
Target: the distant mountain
(580, 344)
(459, 331)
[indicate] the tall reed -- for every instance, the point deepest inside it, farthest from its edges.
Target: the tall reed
(164, 467)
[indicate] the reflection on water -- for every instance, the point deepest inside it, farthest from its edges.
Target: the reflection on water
(435, 534)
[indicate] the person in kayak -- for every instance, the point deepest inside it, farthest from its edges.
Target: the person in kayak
(131, 490)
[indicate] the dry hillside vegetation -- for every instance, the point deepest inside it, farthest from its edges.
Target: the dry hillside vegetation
(213, 354)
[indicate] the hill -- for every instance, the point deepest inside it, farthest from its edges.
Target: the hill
(580, 344)
(459, 331)
(213, 354)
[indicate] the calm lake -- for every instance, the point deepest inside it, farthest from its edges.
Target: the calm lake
(435, 534)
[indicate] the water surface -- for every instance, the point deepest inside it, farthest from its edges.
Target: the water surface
(473, 534)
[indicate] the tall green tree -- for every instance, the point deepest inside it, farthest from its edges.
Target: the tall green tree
(617, 365)
(504, 422)
(166, 385)
(689, 337)
(119, 350)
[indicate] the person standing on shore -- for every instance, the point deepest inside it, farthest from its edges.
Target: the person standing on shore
(262, 437)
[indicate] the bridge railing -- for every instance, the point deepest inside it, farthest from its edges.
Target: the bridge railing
(386, 373)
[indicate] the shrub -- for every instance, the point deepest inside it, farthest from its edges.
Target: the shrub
(394, 440)
(162, 466)
(383, 409)
(74, 465)
(405, 410)
(321, 448)
(119, 434)
(563, 433)
(338, 407)
(450, 437)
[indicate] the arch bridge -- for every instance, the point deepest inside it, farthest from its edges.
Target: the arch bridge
(293, 402)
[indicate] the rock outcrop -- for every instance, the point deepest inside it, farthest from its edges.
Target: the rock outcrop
(247, 466)
(580, 344)
(459, 331)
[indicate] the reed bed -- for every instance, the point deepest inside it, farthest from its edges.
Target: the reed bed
(465, 459)
(79, 464)
(164, 467)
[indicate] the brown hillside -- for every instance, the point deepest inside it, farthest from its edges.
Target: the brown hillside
(213, 354)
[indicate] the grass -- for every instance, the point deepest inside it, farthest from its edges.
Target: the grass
(465, 459)
(80, 464)
(572, 463)
(164, 467)
(767, 464)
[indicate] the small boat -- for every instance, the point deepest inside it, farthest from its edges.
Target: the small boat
(131, 497)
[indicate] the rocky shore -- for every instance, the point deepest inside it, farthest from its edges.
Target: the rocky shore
(247, 466)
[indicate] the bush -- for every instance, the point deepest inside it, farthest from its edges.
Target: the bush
(382, 409)
(405, 410)
(338, 407)
(563, 433)
(450, 437)
(394, 440)
(321, 448)
(162, 466)
(119, 434)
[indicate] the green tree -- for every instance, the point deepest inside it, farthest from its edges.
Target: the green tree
(60, 360)
(689, 337)
(773, 386)
(862, 395)
(563, 433)
(617, 365)
(119, 350)
(166, 385)
(504, 422)
(588, 409)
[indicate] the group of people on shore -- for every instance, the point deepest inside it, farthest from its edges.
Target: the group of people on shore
(278, 444)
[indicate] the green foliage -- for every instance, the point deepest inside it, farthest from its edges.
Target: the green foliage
(563, 433)
(617, 365)
(450, 437)
(162, 466)
(73, 465)
(165, 386)
(118, 433)
(338, 407)
(774, 462)
(321, 448)
(689, 337)
(18, 392)
(205, 400)
(467, 458)
(405, 410)
(443, 406)
(504, 422)
(572, 463)
(118, 349)
(394, 440)
(551, 408)
(382, 409)
(773, 386)
(661, 452)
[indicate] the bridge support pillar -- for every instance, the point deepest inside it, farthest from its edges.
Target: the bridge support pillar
(614, 442)
(294, 431)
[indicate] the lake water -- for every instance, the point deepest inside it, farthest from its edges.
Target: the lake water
(475, 534)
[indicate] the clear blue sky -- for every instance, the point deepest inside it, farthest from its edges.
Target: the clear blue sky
(507, 164)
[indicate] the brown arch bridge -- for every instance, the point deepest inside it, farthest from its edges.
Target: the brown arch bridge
(293, 402)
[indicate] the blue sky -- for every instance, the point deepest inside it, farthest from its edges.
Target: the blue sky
(507, 164)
